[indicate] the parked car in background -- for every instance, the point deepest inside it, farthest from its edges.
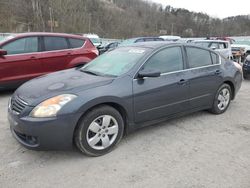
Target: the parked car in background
(170, 38)
(185, 40)
(139, 39)
(6, 36)
(109, 46)
(246, 67)
(221, 46)
(120, 91)
(95, 39)
(243, 46)
(30, 55)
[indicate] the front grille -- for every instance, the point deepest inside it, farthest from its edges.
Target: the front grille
(17, 105)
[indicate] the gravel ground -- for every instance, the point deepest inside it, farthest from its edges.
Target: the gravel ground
(198, 150)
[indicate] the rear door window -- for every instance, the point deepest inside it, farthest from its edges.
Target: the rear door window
(55, 43)
(22, 46)
(158, 39)
(214, 45)
(222, 45)
(198, 57)
(140, 40)
(149, 39)
(76, 43)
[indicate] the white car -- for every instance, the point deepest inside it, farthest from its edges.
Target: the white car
(244, 45)
(221, 46)
(95, 39)
(170, 38)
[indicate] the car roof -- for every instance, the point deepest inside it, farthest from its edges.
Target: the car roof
(156, 45)
(142, 38)
(210, 41)
(48, 34)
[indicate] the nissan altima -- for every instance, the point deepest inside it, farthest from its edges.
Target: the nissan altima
(122, 90)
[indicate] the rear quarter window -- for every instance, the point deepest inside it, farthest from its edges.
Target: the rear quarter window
(76, 43)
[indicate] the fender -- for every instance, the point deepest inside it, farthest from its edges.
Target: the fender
(108, 99)
(78, 61)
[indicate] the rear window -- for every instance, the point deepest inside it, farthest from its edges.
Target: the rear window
(55, 43)
(198, 57)
(76, 43)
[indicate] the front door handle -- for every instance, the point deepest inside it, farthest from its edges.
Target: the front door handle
(217, 72)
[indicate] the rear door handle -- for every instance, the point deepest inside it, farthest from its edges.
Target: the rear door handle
(32, 57)
(182, 82)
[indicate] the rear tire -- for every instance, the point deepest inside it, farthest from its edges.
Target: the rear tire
(99, 131)
(222, 99)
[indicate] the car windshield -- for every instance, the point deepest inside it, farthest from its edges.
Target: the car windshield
(116, 62)
(95, 40)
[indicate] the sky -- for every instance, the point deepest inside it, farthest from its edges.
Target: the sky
(215, 8)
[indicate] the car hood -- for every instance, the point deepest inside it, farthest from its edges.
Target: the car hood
(69, 81)
(241, 46)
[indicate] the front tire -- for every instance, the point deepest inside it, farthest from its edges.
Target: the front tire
(99, 131)
(222, 99)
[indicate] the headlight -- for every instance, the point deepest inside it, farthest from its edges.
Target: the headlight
(51, 107)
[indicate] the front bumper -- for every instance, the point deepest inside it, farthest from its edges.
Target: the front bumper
(43, 133)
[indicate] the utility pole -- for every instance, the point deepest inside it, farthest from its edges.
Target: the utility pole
(90, 22)
(51, 21)
(172, 29)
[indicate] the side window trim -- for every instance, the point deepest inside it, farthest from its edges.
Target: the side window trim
(186, 68)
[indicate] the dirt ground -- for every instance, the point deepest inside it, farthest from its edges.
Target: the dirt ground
(198, 150)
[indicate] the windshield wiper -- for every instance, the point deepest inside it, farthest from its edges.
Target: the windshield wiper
(89, 72)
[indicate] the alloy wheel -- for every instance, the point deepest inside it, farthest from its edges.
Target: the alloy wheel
(102, 132)
(223, 99)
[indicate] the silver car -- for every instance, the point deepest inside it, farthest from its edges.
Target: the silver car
(221, 46)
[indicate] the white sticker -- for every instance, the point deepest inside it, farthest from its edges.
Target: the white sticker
(137, 51)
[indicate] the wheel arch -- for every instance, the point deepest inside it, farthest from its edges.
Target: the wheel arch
(114, 105)
(230, 83)
(78, 61)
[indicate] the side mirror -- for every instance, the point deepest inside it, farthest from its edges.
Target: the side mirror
(152, 73)
(3, 52)
(213, 48)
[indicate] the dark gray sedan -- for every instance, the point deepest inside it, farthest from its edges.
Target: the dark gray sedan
(118, 92)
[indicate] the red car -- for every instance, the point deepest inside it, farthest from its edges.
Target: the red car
(29, 55)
